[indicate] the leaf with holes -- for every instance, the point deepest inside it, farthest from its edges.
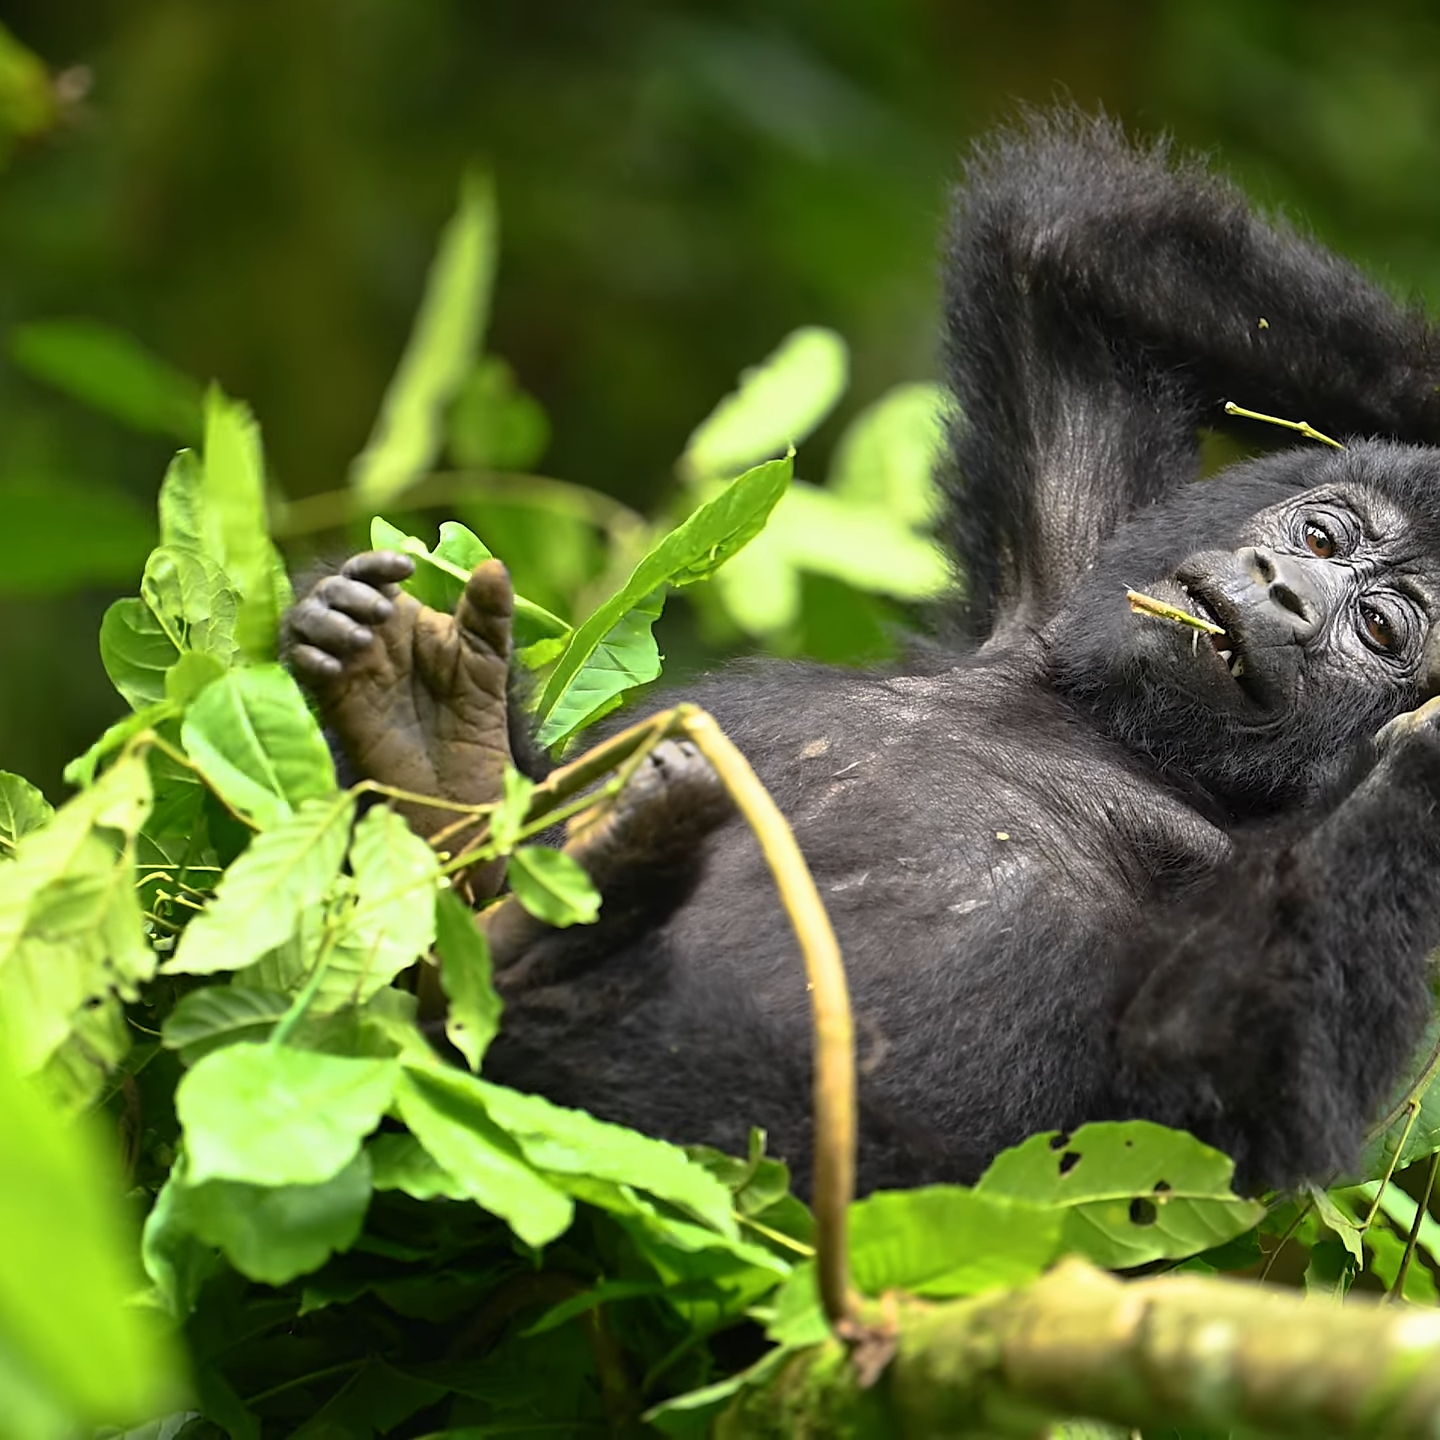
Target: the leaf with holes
(1132, 1192)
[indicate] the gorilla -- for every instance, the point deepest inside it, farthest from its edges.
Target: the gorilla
(1084, 863)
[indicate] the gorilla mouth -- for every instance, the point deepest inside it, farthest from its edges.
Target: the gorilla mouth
(1214, 609)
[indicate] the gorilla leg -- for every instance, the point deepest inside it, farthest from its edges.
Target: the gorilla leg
(642, 851)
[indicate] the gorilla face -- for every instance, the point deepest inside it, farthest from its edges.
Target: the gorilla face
(1328, 600)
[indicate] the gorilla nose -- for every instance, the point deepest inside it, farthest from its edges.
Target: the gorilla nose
(1287, 588)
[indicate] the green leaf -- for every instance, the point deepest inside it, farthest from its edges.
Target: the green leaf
(136, 652)
(1394, 1129)
(443, 343)
(507, 819)
(400, 1162)
(626, 656)
(254, 739)
(1400, 1208)
(440, 576)
(571, 1143)
(472, 1017)
(71, 936)
(1133, 1192)
(446, 1113)
(63, 534)
(887, 456)
(275, 1234)
(553, 887)
(67, 1272)
(22, 809)
(690, 552)
(219, 1015)
(109, 370)
(1331, 1271)
(494, 424)
(393, 923)
(777, 404)
(191, 598)
(270, 1115)
(1387, 1252)
(231, 498)
(1346, 1230)
(944, 1241)
(264, 893)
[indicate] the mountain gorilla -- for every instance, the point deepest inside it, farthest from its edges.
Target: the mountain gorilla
(1084, 863)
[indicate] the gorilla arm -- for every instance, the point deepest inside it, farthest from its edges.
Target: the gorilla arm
(1276, 1006)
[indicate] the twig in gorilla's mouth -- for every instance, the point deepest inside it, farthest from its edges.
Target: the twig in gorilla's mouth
(1149, 605)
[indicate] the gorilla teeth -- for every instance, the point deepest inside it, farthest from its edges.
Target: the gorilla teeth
(1225, 655)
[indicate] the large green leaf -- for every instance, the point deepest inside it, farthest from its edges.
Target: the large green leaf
(692, 551)
(231, 497)
(393, 923)
(570, 1143)
(263, 895)
(1132, 1192)
(22, 809)
(219, 1015)
(942, 1241)
(68, 1333)
(71, 937)
(255, 741)
(111, 371)
(446, 1112)
(776, 405)
(623, 658)
(443, 343)
(191, 598)
(272, 1234)
(271, 1115)
(136, 652)
(472, 1016)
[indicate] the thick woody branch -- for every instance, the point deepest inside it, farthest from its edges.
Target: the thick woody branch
(1175, 1351)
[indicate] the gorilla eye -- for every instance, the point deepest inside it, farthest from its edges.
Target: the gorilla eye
(1378, 630)
(1319, 541)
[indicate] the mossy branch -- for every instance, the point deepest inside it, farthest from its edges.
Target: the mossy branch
(1174, 1352)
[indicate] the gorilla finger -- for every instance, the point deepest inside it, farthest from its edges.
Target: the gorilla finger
(379, 567)
(486, 608)
(314, 623)
(353, 598)
(313, 665)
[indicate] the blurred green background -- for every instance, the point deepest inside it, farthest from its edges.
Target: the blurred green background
(254, 188)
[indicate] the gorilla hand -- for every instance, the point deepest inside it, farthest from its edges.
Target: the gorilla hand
(416, 699)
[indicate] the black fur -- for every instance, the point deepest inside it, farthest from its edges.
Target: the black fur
(1077, 872)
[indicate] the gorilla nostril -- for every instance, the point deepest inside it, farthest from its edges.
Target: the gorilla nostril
(1287, 599)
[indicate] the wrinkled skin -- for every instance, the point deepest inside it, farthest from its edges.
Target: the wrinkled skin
(1083, 863)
